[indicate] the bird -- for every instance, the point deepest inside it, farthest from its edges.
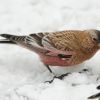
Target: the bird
(61, 48)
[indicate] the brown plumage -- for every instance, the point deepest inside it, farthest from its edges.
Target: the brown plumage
(79, 42)
(64, 48)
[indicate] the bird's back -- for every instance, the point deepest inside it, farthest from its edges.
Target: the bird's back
(70, 40)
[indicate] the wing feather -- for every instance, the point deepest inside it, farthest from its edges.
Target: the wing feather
(37, 42)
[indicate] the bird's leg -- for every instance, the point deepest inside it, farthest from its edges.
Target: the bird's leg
(54, 76)
(49, 68)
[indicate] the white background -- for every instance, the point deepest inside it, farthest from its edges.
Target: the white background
(22, 75)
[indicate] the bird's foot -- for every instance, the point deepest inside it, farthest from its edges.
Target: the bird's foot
(59, 77)
(63, 75)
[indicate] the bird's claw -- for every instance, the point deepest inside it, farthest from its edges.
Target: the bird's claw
(59, 77)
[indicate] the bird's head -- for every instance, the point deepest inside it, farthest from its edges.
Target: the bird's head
(95, 35)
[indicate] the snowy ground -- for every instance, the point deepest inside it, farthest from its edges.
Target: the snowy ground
(22, 75)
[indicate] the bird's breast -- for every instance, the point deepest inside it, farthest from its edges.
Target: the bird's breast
(78, 58)
(55, 61)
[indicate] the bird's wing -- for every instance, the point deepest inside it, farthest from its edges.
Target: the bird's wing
(37, 43)
(68, 42)
(32, 42)
(42, 40)
(62, 42)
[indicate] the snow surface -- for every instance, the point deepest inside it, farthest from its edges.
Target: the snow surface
(22, 75)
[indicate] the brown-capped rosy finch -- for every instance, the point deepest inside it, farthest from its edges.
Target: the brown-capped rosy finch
(63, 48)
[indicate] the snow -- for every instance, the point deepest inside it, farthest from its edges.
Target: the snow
(22, 74)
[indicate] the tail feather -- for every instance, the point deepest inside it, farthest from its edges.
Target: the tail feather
(6, 42)
(30, 42)
(13, 38)
(7, 36)
(36, 38)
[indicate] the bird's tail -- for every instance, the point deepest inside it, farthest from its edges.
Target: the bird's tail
(13, 39)
(7, 39)
(28, 42)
